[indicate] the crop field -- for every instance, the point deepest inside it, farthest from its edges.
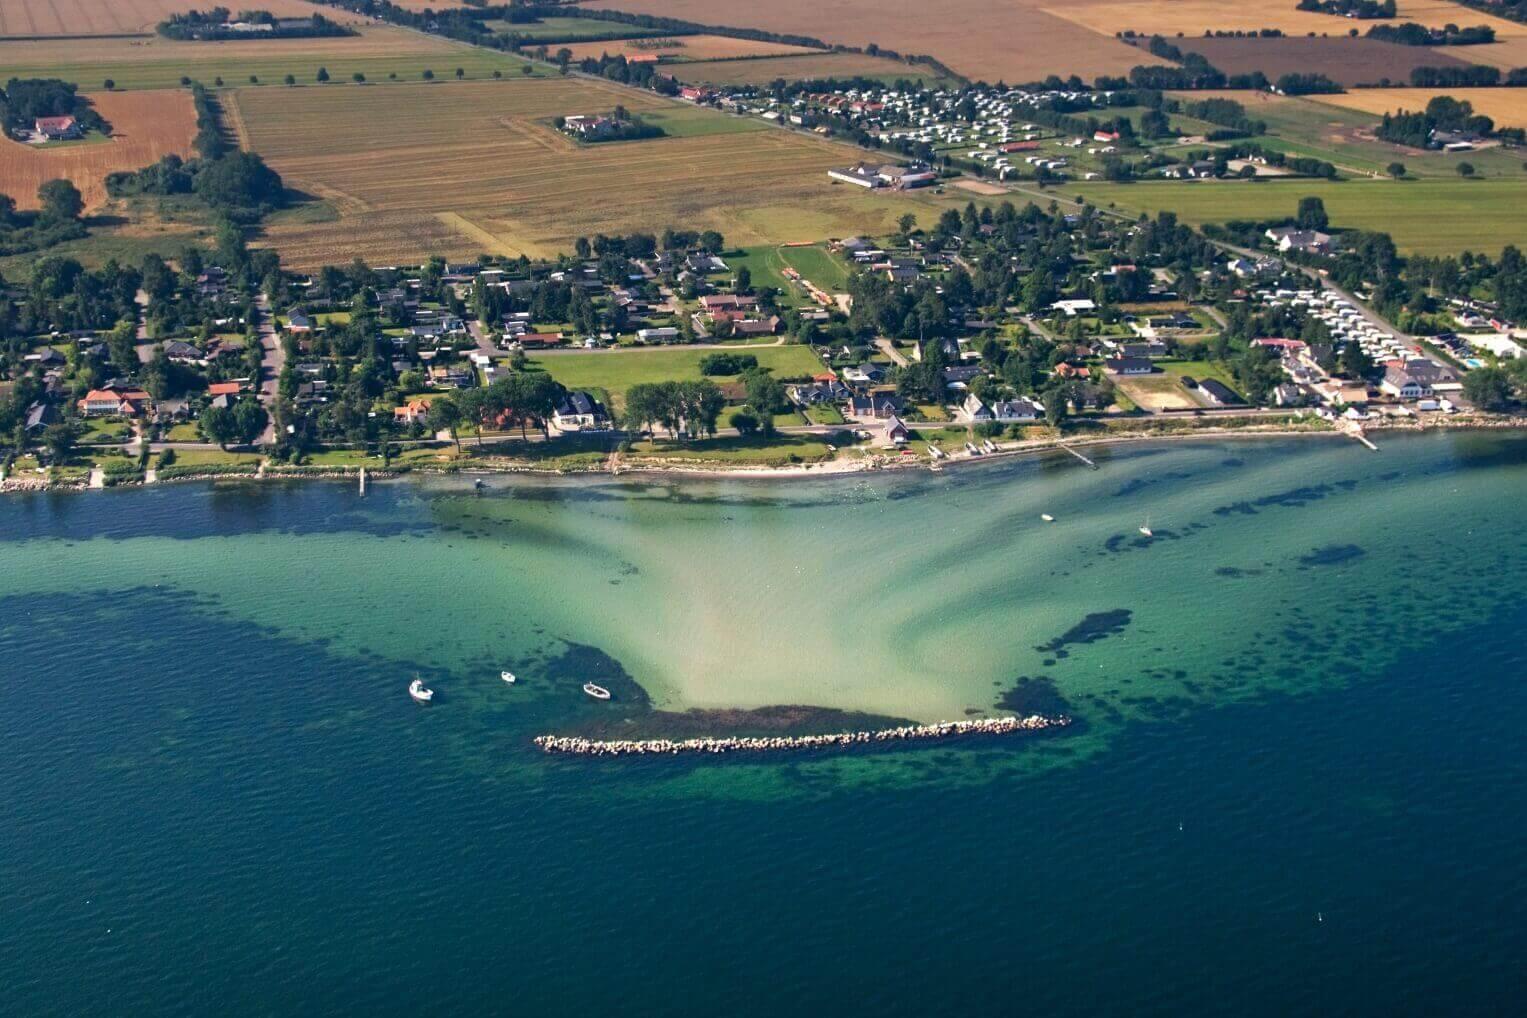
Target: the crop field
(615, 371)
(156, 62)
(1348, 61)
(1506, 106)
(146, 127)
(1423, 216)
(1020, 40)
(686, 47)
(33, 18)
(475, 167)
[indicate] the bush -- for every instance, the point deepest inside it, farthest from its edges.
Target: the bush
(727, 363)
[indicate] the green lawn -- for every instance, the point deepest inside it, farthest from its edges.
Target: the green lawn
(756, 451)
(1198, 370)
(694, 122)
(824, 413)
(565, 29)
(767, 263)
(615, 371)
(211, 457)
(819, 265)
(1423, 216)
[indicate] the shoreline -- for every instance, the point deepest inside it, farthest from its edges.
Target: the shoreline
(880, 462)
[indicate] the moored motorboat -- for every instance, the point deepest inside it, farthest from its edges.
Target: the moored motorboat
(1146, 529)
(597, 692)
(419, 691)
(507, 676)
(1047, 517)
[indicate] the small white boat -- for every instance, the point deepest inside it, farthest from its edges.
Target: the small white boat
(419, 691)
(1146, 529)
(597, 692)
(1047, 517)
(507, 676)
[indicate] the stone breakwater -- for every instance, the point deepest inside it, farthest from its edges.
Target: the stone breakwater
(770, 744)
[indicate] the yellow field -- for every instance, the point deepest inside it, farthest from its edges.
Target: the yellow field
(1506, 106)
(810, 65)
(1016, 41)
(463, 168)
(1193, 17)
(146, 127)
(114, 17)
(684, 47)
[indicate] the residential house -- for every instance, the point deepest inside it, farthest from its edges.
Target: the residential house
(878, 405)
(1017, 410)
(1218, 392)
(182, 352)
(665, 334)
(1291, 238)
(413, 412)
(959, 376)
(299, 322)
(974, 409)
(863, 374)
(756, 327)
(225, 389)
(1129, 365)
(109, 402)
(1154, 348)
(57, 128)
(1288, 394)
(580, 411)
(896, 432)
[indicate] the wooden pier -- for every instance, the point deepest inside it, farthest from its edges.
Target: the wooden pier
(1079, 456)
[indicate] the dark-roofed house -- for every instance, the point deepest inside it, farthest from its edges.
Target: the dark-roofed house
(580, 411)
(1021, 409)
(1218, 392)
(1129, 365)
(880, 405)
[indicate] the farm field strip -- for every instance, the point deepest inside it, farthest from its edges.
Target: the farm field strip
(29, 18)
(1506, 106)
(1423, 216)
(762, 70)
(161, 63)
(685, 48)
(146, 127)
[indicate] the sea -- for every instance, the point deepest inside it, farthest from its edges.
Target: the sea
(1294, 782)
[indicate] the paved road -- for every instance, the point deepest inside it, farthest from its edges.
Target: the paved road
(145, 345)
(272, 362)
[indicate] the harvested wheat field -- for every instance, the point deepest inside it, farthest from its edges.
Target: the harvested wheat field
(33, 18)
(464, 168)
(1015, 40)
(1506, 106)
(146, 126)
(685, 47)
(808, 65)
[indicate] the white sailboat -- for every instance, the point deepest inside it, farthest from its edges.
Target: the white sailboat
(507, 676)
(1047, 517)
(419, 691)
(1146, 528)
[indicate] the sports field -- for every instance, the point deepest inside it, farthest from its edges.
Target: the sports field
(156, 62)
(1506, 106)
(33, 18)
(615, 371)
(1423, 216)
(146, 127)
(1015, 41)
(464, 168)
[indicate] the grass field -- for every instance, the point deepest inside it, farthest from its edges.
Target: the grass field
(469, 168)
(684, 47)
(146, 126)
(32, 18)
(1020, 40)
(695, 122)
(573, 28)
(767, 262)
(615, 371)
(156, 62)
(1506, 106)
(1423, 216)
(1324, 130)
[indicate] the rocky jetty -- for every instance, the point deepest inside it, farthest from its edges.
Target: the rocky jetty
(776, 743)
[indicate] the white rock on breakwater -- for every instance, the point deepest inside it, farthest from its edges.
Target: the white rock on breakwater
(754, 744)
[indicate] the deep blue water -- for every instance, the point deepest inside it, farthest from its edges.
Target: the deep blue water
(182, 836)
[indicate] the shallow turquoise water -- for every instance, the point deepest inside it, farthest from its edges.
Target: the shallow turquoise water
(1295, 783)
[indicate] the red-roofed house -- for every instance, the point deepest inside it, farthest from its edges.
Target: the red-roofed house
(539, 338)
(1280, 344)
(106, 402)
(415, 411)
(57, 128)
(224, 389)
